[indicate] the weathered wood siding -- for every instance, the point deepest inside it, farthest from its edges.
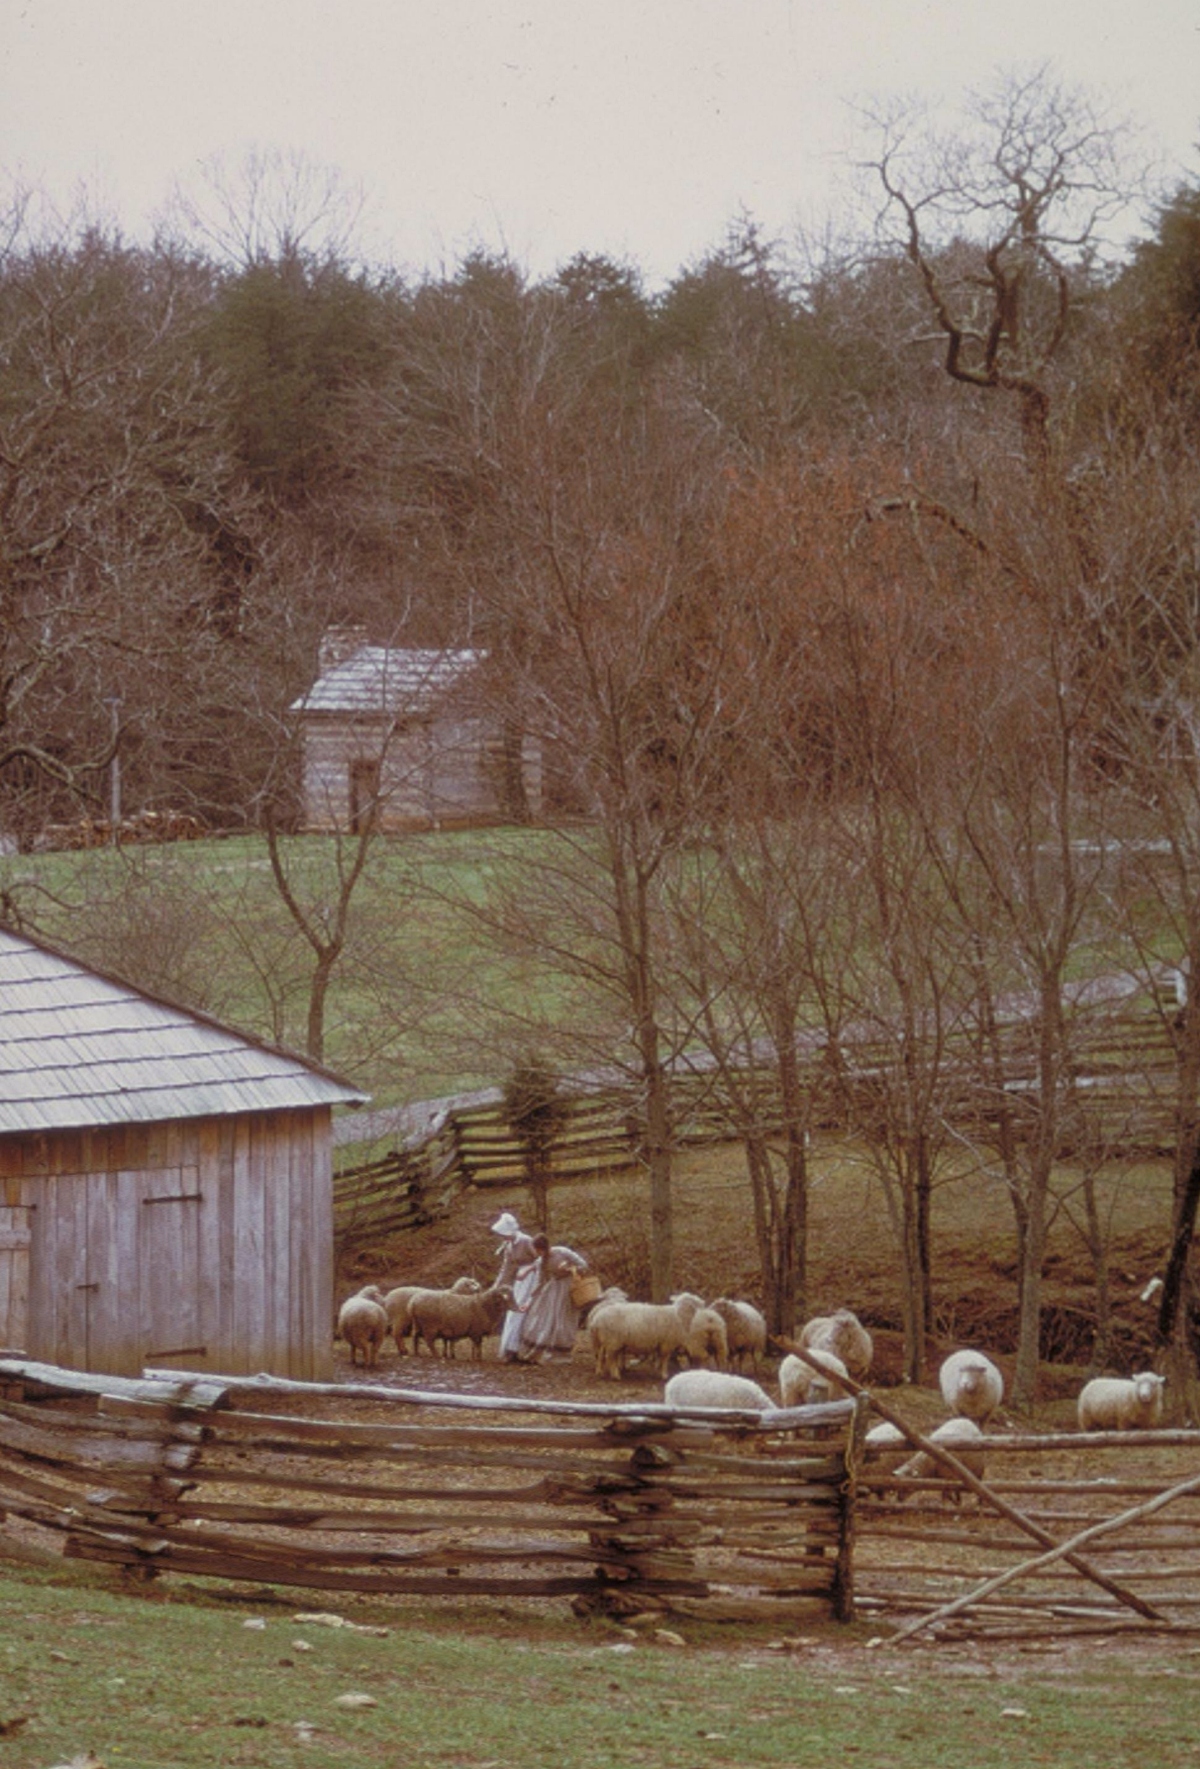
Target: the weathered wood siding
(15, 1235)
(435, 772)
(204, 1243)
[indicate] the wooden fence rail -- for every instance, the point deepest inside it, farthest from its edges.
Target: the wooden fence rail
(929, 1555)
(616, 1507)
(1122, 1105)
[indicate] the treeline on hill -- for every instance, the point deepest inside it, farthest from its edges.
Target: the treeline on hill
(856, 603)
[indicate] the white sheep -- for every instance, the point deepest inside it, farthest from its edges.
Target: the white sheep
(705, 1339)
(962, 1437)
(885, 1441)
(971, 1385)
(745, 1331)
(619, 1330)
(844, 1335)
(715, 1388)
(800, 1385)
(397, 1302)
(1121, 1403)
(451, 1315)
(363, 1323)
(613, 1293)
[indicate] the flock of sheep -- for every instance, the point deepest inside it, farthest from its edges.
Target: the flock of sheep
(417, 1313)
(718, 1342)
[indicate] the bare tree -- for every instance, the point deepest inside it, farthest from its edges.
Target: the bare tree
(270, 204)
(1001, 223)
(116, 496)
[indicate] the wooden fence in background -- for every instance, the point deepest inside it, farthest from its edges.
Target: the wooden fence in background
(616, 1507)
(1121, 1105)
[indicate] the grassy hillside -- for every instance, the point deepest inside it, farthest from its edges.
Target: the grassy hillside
(203, 922)
(429, 1002)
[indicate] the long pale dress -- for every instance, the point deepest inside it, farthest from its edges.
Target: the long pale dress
(519, 1267)
(551, 1319)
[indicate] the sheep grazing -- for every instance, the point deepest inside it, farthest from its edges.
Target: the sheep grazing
(398, 1302)
(971, 1385)
(619, 1330)
(745, 1331)
(802, 1386)
(705, 1339)
(715, 1388)
(451, 1315)
(962, 1437)
(844, 1335)
(1121, 1403)
(363, 1323)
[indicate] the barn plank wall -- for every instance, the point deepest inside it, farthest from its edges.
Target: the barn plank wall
(205, 1243)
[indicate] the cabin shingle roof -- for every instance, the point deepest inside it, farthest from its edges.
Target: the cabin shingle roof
(79, 1049)
(379, 681)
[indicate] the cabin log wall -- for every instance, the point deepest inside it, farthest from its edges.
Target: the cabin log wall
(431, 774)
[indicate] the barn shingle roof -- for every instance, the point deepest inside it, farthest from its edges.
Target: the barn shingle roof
(78, 1049)
(382, 681)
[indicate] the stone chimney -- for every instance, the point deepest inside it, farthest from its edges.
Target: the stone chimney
(337, 644)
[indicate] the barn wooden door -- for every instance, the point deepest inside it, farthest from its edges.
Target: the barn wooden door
(15, 1237)
(170, 1302)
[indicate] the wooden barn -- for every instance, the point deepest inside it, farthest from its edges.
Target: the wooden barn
(166, 1185)
(399, 739)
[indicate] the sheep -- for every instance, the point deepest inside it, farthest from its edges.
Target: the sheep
(714, 1388)
(745, 1331)
(363, 1323)
(962, 1437)
(844, 1335)
(705, 1338)
(800, 1385)
(613, 1293)
(623, 1329)
(971, 1385)
(885, 1441)
(450, 1315)
(397, 1303)
(1121, 1403)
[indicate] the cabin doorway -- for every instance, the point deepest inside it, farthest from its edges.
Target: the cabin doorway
(364, 794)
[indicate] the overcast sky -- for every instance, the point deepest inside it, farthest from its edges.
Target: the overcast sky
(637, 128)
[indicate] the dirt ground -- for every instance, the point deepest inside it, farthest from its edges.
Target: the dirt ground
(851, 1263)
(974, 1291)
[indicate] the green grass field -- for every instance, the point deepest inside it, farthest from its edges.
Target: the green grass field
(416, 1006)
(156, 1681)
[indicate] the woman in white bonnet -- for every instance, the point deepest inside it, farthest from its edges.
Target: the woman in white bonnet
(518, 1268)
(539, 1274)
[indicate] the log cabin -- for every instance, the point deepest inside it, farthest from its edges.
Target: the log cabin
(402, 739)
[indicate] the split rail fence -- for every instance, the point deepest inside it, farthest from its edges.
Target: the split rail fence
(1122, 1104)
(617, 1507)
(1113, 1549)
